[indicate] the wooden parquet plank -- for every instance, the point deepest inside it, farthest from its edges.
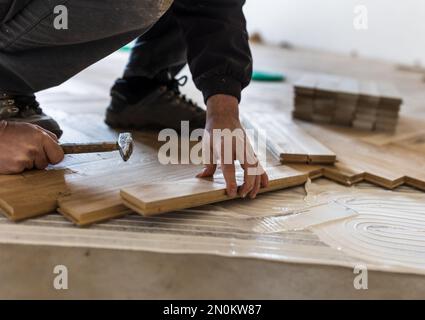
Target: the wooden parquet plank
(161, 197)
(93, 201)
(287, 141)
(369, 162)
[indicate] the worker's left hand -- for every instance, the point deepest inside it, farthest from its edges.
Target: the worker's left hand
(223, 113)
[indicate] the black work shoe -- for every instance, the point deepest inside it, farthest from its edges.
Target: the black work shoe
(162, 106)
(26, 109)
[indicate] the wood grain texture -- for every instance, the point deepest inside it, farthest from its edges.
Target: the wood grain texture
(162, 197)
(286, 140)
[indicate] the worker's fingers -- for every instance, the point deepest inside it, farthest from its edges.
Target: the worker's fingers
(264, 180)
(51, 134)
(259, 171)
(208, 171)
(54, 152)
(263, 176)
(210, 166)
(29, 164)
(230, 178)
(40, 161)
(256, 188)
(249, 180)
(249, 163)
(227, 164)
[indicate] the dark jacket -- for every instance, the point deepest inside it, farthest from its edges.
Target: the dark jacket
(218, 51)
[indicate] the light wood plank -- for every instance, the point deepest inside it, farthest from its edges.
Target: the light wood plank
(286, 140)
(162, 197)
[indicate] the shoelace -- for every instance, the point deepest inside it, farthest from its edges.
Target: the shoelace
(180, 82)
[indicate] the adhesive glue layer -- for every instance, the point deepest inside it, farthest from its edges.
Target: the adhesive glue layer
(388, 231)
(277, 212)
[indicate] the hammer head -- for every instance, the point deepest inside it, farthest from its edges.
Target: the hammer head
(125, 145)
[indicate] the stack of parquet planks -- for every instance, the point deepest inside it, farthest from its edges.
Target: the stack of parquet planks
(348, 102)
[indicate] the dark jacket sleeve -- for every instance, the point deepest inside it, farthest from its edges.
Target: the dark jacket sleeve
(219, 56)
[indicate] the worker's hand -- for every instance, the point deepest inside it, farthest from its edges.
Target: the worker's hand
(26, 146)
(223, 113)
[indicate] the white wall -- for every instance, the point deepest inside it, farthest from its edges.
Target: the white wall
(396, 27)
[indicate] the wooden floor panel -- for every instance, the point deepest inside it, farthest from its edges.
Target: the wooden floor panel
(161, 197)
(387, 166)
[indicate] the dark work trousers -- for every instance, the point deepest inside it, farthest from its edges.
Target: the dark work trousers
(34, 55)
(161, 52)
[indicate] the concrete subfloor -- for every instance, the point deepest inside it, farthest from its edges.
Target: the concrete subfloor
(26, 272)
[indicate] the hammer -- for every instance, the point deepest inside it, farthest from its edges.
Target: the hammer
(124, 145)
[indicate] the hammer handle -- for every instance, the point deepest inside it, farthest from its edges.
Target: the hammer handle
(74, 148)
